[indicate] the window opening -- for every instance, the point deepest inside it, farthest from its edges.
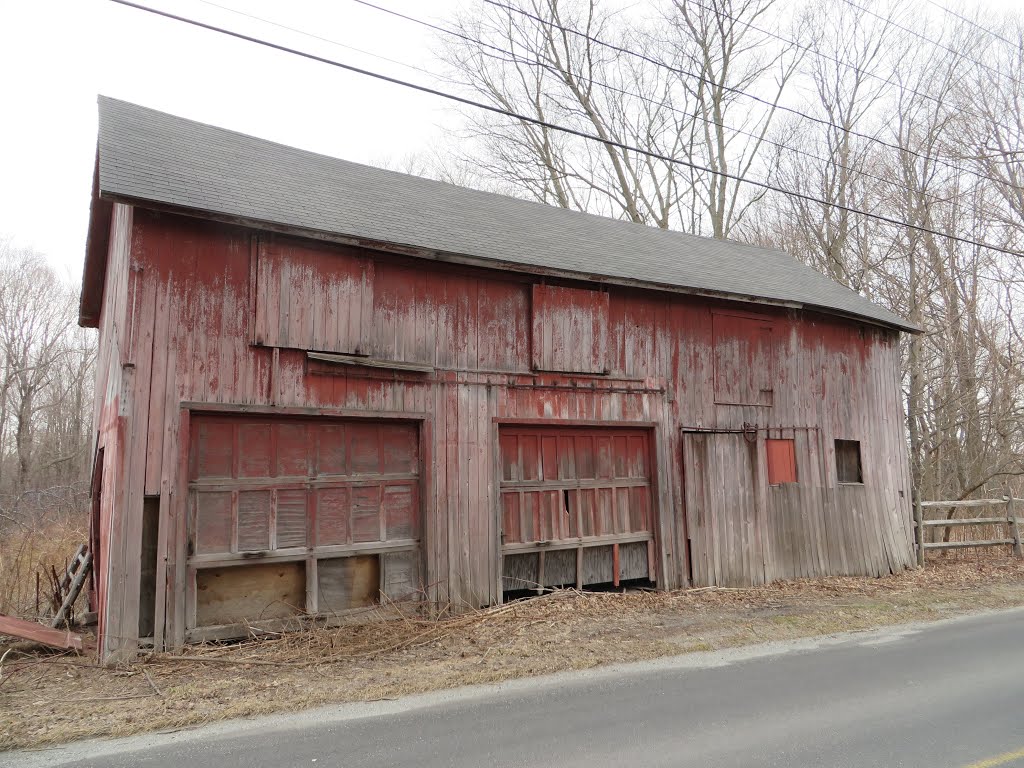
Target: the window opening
(848, 464)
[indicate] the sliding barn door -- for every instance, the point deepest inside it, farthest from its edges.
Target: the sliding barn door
(724, 508)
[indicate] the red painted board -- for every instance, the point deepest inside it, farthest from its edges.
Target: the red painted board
(30, 630)
(781, 461)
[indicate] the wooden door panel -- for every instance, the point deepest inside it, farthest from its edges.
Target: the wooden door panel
(723, 508)
(259, 483)
(563, 483)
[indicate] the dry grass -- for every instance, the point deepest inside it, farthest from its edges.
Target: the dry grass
(390, 655)
(26, 551)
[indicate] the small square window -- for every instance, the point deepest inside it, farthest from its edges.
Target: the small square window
(848, 467)
(781, 461)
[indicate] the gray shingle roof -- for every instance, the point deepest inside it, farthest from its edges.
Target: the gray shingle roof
(150, 156)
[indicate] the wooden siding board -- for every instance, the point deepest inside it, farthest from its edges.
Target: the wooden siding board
(135, 405)
(157, 391)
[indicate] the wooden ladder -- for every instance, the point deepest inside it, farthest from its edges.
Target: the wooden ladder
(71, 583)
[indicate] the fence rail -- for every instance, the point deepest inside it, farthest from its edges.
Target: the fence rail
(1009, 520)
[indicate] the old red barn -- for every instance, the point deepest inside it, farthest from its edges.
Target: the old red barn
(320, 383)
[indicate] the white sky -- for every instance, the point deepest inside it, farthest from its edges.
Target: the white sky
(57, 55)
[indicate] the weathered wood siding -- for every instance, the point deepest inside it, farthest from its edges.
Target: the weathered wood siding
(209, 326)
(114, 386)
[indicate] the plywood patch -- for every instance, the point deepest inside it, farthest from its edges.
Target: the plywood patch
(348, 582)
(401, 575)
(249, 593)
(598, 567)
(520, 572)
(633, 561)
(560, 568)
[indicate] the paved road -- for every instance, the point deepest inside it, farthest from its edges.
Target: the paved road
(949, 694)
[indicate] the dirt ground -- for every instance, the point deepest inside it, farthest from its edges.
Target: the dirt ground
(47, 698)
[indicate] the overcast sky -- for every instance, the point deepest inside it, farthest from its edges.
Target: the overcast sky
(57, 55)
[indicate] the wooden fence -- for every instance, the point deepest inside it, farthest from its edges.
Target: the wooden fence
(1007, 519)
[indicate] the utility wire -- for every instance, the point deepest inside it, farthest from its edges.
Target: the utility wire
(739, 92)
(854, 67)
(555, 127)
(315, 37)
(925, 38)
(517, 58)
(827, 57)
(974, 24)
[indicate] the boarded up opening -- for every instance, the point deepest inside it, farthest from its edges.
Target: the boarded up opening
(570, 330)
(147, 583)
(402, 575)
(313, 296)
(744, 359)
(848, 466)
(348, 582)
(241, 593)
(781, 461)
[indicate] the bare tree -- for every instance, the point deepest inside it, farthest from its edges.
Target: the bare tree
(45, 376)
(725, 50)
(540, 58)
(623, 80)
(835, 163)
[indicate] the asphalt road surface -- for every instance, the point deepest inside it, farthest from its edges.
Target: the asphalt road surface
(947, 694)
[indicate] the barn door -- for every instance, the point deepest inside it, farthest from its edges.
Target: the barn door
(576, 506)
(290, 516)
(724, 508)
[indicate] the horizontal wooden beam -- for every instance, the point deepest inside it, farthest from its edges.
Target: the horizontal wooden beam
(965, 503)
(370, 362)
(572, 485)
(293, 623)
(294, 554)
(964, 544)
(30, 630)
(231, 409)
(590, 541)
(544, 422)
(972, 521)
(303, 482)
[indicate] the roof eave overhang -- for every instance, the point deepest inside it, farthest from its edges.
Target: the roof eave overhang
(97, 245)
(477, 261)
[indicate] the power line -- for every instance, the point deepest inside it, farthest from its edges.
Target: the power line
(315, 37)
(516, 58)
(854, 67)
(534, 62)
(739, 92)
(819, 54)
(925, 38)
(974, 24)
(555, 127)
